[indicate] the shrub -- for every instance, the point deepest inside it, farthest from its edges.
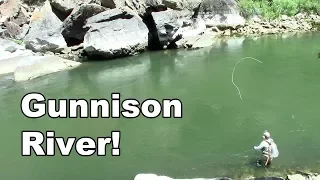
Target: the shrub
(275, 8)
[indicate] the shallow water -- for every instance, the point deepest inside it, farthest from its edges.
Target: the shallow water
(218, 130)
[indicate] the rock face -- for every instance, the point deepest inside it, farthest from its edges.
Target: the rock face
(44, 34)
(73, 30)
(46, 65)
(166, 23)
(114, 33)
(65, 7)
(142, 7)
(225, 14)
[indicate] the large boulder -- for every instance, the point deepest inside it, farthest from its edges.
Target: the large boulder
(65, 7)
(143, 6)
(47, 65)
(45, 31)
(114, 33)
(166, 25)
(139, 6)
(73, 30)
(223, 14)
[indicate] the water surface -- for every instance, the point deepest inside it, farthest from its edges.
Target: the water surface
(218, 129)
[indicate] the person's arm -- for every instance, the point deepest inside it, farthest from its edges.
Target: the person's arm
(260, 146)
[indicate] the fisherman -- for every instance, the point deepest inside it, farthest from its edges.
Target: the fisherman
(268, 148)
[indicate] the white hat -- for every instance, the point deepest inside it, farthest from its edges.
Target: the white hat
(266, 134)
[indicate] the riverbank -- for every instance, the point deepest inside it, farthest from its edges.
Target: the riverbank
(95, 30)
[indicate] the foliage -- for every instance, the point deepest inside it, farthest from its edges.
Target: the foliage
(17, 41)
(274, 8)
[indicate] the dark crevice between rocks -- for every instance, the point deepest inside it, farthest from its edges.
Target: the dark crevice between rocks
(73, 41)
(153, 39)
(123, 15)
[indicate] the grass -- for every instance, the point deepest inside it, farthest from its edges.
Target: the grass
(17, 41)
(275, 8)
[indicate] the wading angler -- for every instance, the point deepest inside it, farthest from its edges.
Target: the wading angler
(35, 105)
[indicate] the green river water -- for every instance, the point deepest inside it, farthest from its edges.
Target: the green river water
(217, 131)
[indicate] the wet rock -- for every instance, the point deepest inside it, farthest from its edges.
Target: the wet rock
(73, 30)
(114, 33)
(200, 42)
(45, 34)
(45, 65)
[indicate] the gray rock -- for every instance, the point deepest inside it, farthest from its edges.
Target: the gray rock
(292, 25)
(45, 34)
(73, 25)
(9, 65)
(10, 46)
(12, 29)
(113, 3)
(224, 14)
(296, 177)
(22, 17)
(167, 24)
(269, 178)
(226, 21)
(45, 65)
(141, 6)
(196, 42)
(24, 31)
(173, 4)
(64, 6)
(116, 32)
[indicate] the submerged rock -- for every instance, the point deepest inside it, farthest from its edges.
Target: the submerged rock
(114, 33)
(44, 34)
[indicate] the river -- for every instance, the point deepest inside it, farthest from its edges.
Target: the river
(218, 130)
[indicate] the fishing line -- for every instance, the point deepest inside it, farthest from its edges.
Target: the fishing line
(234, 70)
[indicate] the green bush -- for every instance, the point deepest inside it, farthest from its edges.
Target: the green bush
(275, 8)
